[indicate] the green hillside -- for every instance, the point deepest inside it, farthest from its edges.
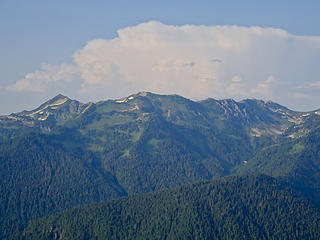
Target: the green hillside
(39, 178)
(254, 207)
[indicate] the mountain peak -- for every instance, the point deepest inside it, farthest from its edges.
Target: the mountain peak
(58, 107)
(58, 98)
(53, 103)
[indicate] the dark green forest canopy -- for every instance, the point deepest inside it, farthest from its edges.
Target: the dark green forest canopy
(251, 207)
(39, 178)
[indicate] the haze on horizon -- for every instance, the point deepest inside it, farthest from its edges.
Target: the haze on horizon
(216, 54)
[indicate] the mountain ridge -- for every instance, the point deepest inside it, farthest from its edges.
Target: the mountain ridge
(61, 108)
(145, 94)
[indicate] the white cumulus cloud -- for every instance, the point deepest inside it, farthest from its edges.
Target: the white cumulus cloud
(194, 61)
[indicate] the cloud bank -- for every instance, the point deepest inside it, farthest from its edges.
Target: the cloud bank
(194, 61)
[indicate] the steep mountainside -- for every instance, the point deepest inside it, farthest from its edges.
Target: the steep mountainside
(255, 207)
(154, 141)
(39, 178)
(298, 160)
(146, 142)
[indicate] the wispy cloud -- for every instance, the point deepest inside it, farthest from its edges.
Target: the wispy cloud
(194, 61)
(310, 85)
(236, 87)
(264, 89)
(48, 75)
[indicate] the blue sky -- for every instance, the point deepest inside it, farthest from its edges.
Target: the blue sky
(36, 32)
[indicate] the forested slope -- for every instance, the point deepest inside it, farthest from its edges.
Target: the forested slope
(251, 207)
(39, 178)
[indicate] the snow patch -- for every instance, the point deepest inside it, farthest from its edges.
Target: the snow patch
(43, 118)
(123, 100)
(255, 132)
(295, 120)
(13, 118)
(275, 131)
(136, 107)
(292, 136)
(53, 105)
(84, 110)
(36, 112)
(58, 102)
